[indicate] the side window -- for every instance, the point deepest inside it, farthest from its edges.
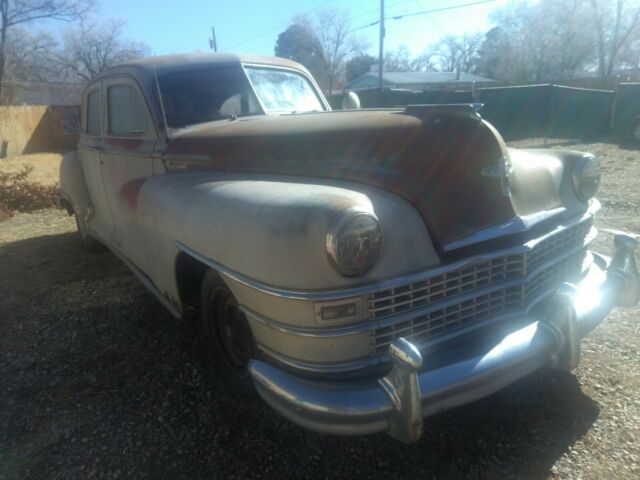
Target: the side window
(93, 114)
(125, 111)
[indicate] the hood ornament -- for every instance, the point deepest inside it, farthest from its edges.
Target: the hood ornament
(502, 169)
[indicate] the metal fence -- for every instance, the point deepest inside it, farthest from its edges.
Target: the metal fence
(626, 108)
(521, 111)
(547, 111)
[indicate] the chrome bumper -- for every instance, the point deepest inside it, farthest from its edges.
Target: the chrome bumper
(397, 402)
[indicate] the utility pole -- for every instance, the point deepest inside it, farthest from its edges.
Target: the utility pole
(212, 41)
(381, 55)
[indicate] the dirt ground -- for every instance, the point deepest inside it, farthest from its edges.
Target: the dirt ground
(98, 381)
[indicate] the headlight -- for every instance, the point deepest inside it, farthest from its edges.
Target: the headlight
(586, 177)
(354, 241)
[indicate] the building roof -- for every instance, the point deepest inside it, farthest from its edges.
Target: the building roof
(399, 79)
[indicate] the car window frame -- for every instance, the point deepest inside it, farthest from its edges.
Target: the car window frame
(124, 80)
(316, 89)
(93, 88)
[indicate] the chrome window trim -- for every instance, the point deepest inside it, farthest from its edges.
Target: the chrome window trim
(372, 287)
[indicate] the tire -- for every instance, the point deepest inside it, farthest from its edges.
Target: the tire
(87, 241)
(227, 334)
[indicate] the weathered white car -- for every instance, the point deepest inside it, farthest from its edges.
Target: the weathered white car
(360, 269)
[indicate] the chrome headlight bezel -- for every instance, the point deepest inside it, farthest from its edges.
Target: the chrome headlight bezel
(335, 241)
(586, 177)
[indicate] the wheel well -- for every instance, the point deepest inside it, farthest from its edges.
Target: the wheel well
(66, 205)
(189, 275)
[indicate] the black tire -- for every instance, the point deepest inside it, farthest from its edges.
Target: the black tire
(87, 241)
(227, 334)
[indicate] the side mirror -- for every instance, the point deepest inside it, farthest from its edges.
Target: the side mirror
(351, 101)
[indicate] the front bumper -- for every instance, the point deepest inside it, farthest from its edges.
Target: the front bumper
(397, 402)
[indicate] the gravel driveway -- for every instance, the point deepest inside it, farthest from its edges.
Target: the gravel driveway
(97, 381)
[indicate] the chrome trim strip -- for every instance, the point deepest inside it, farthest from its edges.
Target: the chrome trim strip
(368, 288)
(364, 362)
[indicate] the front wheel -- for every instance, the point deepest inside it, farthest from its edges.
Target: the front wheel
(227, 333)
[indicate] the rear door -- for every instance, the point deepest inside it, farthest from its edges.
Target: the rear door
(90, 154)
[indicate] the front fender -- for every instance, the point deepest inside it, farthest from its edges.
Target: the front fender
(273, 230)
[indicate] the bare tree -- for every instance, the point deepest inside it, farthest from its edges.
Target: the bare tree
(536, 42)
(458, 53)
(299, 43)
(22, 12)
(90, 48)
(333, 30)
(400, 60)
(28, 55)
(616, 24)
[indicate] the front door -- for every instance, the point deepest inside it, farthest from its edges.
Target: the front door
(89, 153)
(127, 162)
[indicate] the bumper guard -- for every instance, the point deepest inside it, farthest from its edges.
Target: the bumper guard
(397, 402)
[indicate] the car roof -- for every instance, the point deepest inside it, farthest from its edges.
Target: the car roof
(145, 69)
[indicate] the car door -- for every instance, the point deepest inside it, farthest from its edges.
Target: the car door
(90, 155)
(129, 144)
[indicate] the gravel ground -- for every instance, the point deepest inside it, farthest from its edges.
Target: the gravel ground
(98, 381)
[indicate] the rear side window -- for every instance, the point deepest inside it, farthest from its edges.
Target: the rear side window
(126, 111)
(94, 124)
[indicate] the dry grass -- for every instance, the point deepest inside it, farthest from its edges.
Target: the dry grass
(28, 183)
(46, 166)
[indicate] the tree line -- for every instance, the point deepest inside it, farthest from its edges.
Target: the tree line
(549, 40)
(86, 47)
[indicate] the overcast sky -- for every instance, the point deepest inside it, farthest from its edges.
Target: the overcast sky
(252, 26)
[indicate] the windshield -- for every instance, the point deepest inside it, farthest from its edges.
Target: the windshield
(204, 95)
(282, 91)
(198, 96)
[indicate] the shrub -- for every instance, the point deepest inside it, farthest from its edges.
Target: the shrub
(18, 194)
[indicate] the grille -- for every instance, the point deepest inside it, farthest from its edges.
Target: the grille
(484, 277)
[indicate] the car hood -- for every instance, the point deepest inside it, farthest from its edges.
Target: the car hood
(448, 162)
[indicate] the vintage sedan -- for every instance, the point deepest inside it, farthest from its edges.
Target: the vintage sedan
(359, 269)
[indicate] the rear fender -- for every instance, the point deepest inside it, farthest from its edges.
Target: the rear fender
(74, 193)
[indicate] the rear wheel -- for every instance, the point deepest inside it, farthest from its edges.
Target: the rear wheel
(227, 333)
(87, 241)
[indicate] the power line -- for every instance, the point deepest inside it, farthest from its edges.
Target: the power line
(260, 35)
(431, 20)
(422, 12)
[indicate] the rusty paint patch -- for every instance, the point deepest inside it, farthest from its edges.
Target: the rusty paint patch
(125, 143)
(130, 192)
